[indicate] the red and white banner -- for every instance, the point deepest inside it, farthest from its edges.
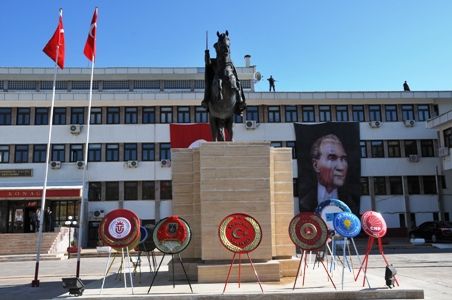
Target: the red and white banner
(56, 44)
(90, 46)
(189, 135)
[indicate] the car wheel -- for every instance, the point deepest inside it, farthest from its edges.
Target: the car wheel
(434, 238)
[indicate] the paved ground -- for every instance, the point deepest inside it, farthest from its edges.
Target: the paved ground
(419, 267)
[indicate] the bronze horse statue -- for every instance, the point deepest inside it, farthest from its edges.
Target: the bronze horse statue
(223, 94)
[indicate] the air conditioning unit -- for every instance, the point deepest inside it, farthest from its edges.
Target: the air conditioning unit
(165, 163)
(75, 128)
(80, 164)
(409, 123)
(250, 124)
(443, 151)
(413, 158)
(98, 214)
(375, 124)
(132, 163)
(55, 164)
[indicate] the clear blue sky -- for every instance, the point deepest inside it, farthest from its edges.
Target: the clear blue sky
(315, 45)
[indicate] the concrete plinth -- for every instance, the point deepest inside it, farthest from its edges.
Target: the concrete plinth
(219, 179)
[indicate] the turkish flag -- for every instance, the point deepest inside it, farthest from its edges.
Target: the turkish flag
(186, 135)
(55, 46)
(90, 46)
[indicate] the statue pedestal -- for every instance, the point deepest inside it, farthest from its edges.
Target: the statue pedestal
(219, 179)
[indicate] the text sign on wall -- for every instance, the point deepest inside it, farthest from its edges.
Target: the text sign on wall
(16, 173)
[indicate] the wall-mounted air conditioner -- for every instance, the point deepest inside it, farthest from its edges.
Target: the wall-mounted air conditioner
(443, 151)
(409, 123)
(413, 158)
(165, 163)
(55, 164)
(80, 164)
(375, 124)
(250, 124)
(75, 128)
(132, 164)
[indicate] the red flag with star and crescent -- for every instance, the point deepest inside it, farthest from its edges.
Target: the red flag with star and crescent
(55, 46)
(90, 46)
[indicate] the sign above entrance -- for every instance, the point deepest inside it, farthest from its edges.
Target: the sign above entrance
(16, 173)
(36, 194)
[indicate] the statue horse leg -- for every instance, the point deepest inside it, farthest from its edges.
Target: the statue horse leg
(216, 129)
(228, 128)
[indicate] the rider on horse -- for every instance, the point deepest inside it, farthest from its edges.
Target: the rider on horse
(213, 65)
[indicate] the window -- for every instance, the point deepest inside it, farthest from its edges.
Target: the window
(308, 113)
(42, 116)
(291, 113)
(94, 191)
(291, 144)
(39, 153)
(275, 144)
(76, 152)
(395, 185)
(131, 115)
(112, 115)
(394, 149)
(429, 184)
(407, 112)
(148, 152)
(413, 185)
(111, 191)
(410, 147)
(238, 118)
(166, 190)
(201, 115)
(59, 116)
(165, 151)
(130, 152)
(5, 116)
(427, 148)
(391, 113)
(363, 148)
(364, 186)
(148, 190)
(380, 185)
(423, 112)
(112, 152)
(21, 154)
(325, 113)
(448, 137)
(58, 152)
(4, 154)
(358, 113)
(374, 112)
(96, 115)
(94, 152)
(183, 114)
(166, 114)
(148, 115)
(342, 113)
(77, 115)
(274, 114)
(252, 113)
(376, 148)
(130, 190)
(23, 116)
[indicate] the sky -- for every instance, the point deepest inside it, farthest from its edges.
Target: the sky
(307, 45)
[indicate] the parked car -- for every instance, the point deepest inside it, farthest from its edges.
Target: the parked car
(433, 231)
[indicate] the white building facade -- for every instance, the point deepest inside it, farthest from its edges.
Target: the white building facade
(404, 169)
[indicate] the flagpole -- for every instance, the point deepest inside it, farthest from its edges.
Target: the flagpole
(35, 282)
(85, 166)
(85, 157)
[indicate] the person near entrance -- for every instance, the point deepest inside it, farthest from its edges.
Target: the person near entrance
(48, 220)
(33, 219)
(38, 219)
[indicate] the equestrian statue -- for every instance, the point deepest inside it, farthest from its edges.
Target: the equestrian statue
(223, 93)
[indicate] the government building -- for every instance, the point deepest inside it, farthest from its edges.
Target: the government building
(404, 142)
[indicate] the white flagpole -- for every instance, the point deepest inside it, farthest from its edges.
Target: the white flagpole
(35, 282)
(85, 166)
